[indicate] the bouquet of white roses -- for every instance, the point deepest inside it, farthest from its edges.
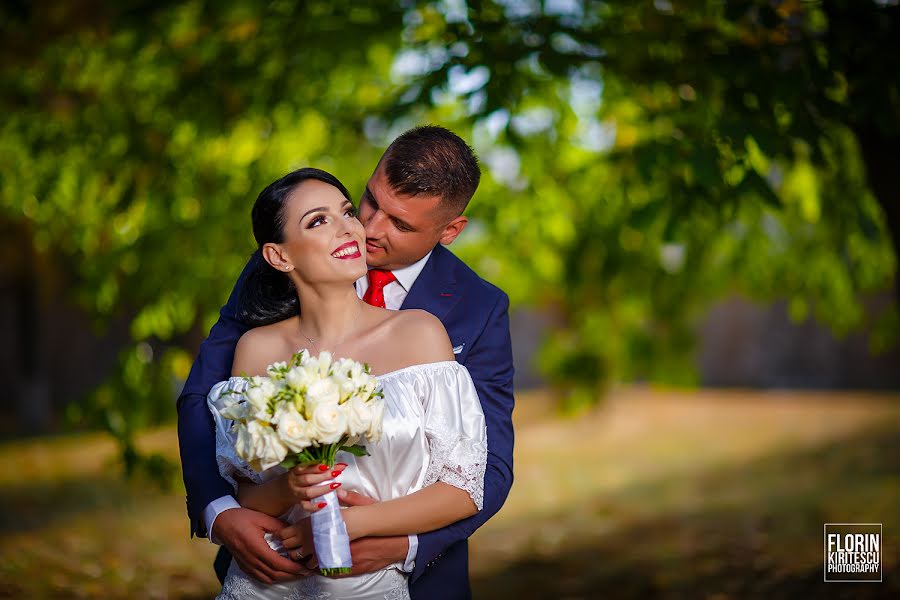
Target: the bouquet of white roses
(304, 412)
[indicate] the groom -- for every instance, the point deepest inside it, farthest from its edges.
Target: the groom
(411, 208)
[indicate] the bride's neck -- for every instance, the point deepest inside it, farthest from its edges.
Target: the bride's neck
(327, 313)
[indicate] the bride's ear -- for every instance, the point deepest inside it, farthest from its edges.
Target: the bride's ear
(276, 258)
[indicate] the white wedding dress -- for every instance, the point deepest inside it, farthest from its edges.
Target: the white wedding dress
(434, 430)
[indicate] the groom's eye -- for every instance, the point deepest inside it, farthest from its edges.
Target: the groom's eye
(402, 227)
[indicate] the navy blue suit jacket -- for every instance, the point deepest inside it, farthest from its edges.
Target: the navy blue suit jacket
(475, 315)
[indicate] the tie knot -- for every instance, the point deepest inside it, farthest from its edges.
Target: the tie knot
(379, 278)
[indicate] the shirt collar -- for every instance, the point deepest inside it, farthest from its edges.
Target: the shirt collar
(407, 276)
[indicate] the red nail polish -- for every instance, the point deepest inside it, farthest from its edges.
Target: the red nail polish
(335, 486)
(336, 473)
(342, 465)
(323, 504)
(323, 467)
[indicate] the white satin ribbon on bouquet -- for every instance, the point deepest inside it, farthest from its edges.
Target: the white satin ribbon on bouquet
(330, 537)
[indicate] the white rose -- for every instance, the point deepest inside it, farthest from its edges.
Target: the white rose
(359, 415)
(328, 424)
(293, 429)
(322, 392)
(267, 447)
(373, 433)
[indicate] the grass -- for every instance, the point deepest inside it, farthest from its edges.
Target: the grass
(657, 493)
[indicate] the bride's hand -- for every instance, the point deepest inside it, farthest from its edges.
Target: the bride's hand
(304, 484)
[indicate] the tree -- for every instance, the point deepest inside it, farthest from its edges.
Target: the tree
(642, 159)
(672, 151)
(136, 136)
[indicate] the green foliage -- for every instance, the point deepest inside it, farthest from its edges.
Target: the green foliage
(669, 153)
(642, 159)
(135, 140)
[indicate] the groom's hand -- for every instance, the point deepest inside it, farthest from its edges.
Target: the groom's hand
(372, 554)
(242, 531)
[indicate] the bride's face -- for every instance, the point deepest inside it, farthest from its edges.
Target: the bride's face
(323, 240)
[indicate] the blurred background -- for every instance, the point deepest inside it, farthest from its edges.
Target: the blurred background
(693, 206)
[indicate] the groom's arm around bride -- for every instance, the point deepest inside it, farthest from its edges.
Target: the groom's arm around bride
(411, 208)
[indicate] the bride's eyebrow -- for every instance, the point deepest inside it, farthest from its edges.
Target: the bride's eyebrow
(322, 209)
(312, 210)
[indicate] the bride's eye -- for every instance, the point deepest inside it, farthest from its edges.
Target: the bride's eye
(350, 212)
(316, 222)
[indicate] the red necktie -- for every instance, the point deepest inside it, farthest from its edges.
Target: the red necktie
(377, 280)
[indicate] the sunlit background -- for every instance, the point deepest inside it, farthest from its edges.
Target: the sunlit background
(693, 206)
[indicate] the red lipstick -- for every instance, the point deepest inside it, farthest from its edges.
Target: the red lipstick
(349, 245)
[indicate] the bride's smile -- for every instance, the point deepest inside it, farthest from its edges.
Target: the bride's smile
(348, 251)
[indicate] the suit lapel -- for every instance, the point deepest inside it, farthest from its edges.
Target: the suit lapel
(435, 288)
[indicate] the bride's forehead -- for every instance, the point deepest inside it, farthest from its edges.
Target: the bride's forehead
(313, 194)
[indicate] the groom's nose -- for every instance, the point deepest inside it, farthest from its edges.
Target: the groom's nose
(375, 224)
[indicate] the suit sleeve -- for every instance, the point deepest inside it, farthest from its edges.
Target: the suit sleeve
(490, 363)
(196, 430)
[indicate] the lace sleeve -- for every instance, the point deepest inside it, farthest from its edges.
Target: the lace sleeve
(456, 432)
(231, 466)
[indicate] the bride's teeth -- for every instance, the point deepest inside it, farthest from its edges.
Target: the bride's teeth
(346, 252)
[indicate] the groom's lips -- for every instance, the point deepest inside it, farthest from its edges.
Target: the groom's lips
(370, 247)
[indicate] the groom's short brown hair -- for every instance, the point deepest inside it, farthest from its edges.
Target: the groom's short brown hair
(434, 161)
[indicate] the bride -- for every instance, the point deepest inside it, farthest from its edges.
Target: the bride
(428, 470)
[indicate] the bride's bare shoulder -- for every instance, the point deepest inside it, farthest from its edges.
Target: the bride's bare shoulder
(421, 335)
(261, 346)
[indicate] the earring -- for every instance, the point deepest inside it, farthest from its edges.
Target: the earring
(287, 268)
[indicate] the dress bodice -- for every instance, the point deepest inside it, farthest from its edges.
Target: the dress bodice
(433, 430)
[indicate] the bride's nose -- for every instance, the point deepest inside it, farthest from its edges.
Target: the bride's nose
(344, 228)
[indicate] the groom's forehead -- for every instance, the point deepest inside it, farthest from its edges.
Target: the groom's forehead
(386, 196)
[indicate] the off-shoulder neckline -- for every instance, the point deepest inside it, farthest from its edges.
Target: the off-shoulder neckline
(439, 363)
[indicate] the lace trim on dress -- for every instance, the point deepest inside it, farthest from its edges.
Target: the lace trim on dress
(236, 587)
(400, 588)
(309, 588)
(456, 461)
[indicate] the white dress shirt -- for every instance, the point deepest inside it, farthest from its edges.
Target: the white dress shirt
(394, 295)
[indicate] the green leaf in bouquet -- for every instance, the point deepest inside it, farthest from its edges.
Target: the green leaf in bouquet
(356, 450)
(290, 462)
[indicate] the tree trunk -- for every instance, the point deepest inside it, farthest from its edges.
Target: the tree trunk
(881, 155)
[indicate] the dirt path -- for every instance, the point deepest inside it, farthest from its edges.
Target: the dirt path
(656, 494)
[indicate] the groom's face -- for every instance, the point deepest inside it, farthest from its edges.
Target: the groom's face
(401, 229)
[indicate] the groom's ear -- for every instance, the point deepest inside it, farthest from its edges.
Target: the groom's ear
(453, 229)
(276, 258)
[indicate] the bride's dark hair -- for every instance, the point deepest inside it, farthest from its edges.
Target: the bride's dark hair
(268, 296)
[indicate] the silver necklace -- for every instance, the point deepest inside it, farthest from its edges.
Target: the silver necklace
(313, 342)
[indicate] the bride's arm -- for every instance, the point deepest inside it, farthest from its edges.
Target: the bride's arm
(300, 486)
(430, 508)
(436, 505)
(271, 497)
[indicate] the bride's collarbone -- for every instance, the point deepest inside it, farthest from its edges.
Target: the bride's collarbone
(384, 343)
